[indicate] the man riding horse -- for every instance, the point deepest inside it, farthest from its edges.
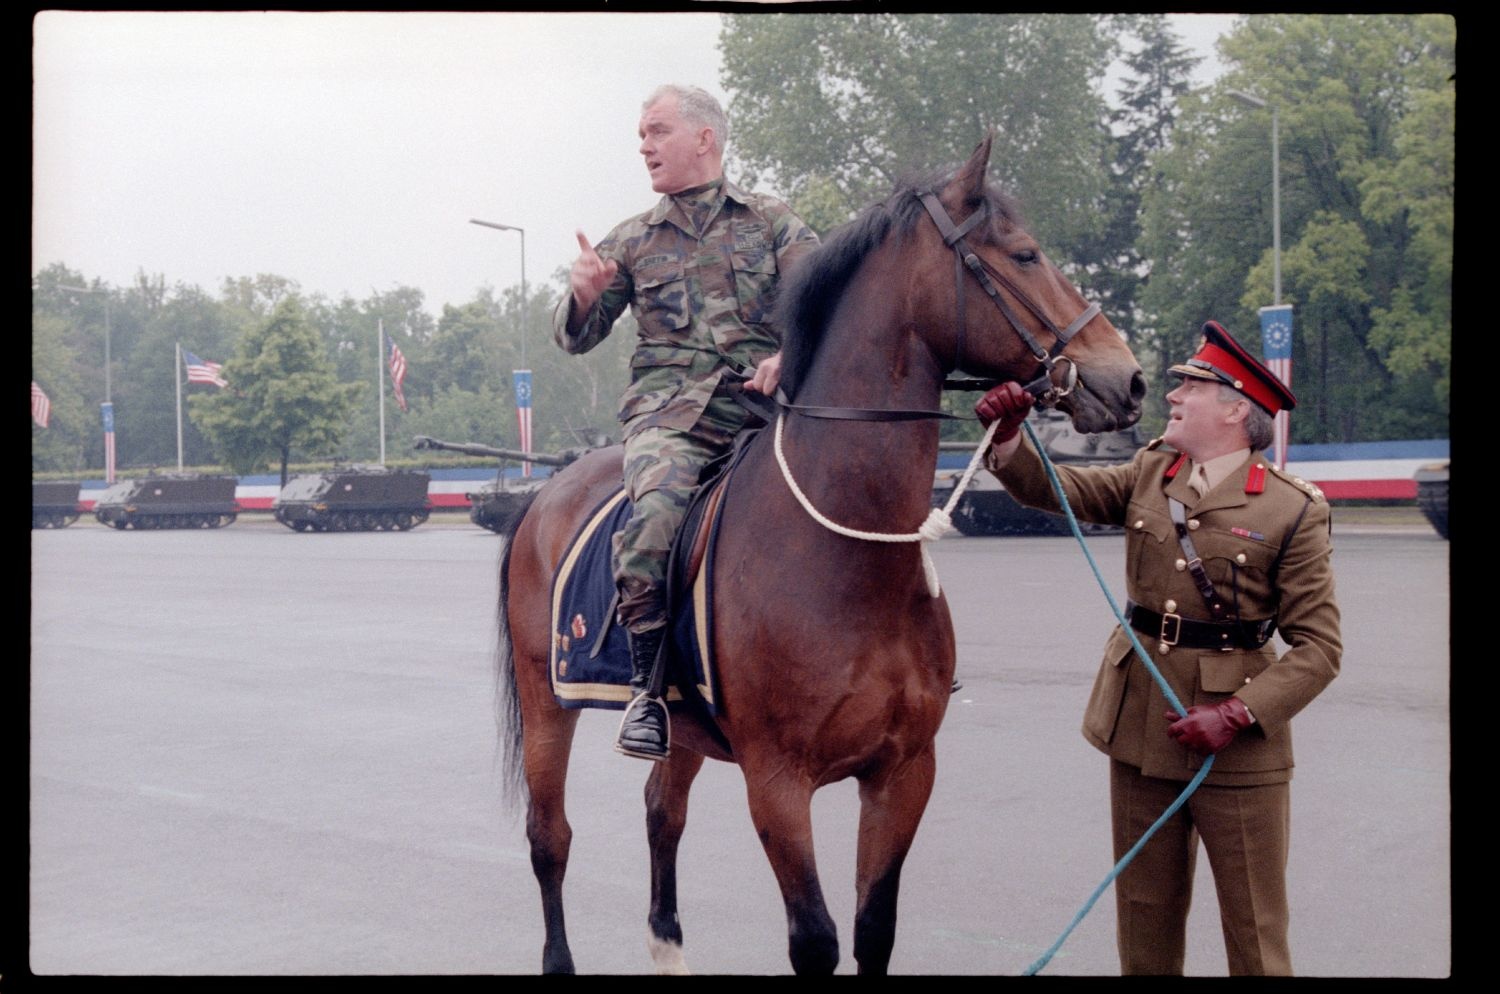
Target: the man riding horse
(699, 271)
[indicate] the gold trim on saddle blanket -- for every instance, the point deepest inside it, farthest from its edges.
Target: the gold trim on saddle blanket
(608, 691)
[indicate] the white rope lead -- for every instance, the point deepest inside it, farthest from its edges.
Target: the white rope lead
(939, 520)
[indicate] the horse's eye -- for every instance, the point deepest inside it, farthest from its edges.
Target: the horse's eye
(1025, 257)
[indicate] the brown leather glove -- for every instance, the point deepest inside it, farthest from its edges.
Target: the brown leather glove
(1207, 728)
(1009, 403)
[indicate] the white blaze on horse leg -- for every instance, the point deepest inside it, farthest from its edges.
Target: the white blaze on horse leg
(667, 956)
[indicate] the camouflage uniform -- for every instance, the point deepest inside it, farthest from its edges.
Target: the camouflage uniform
(699, 272)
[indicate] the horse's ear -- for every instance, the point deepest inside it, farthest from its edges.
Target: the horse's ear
(969, 183)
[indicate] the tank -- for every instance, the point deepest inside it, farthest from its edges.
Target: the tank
(172, 500)
(354, 499)
(1432, 495)
(492, 505)
(986, 509)
(54, 504)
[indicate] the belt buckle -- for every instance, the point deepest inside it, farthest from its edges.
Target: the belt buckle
(1173, 623)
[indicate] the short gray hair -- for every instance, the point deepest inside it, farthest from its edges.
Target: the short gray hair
(696, 105)
(1259, 424)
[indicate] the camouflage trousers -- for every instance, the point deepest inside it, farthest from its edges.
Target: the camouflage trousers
(662, 471)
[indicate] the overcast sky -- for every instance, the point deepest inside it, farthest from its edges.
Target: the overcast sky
(348, 151)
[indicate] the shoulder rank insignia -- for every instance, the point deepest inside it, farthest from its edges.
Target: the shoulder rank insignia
(1173, 469)
(1255, 483)
(1311, 489)
(1152, 445)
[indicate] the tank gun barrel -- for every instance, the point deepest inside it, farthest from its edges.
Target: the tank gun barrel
(475, 449)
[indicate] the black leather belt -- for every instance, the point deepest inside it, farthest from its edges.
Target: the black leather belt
(1173, 629)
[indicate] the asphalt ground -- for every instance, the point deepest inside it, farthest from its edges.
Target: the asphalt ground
(259, 753)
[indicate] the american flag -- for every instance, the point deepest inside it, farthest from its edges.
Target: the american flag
(398, 371)
(523, 412)
(41, 407)
(1276, 343)
(202, 371)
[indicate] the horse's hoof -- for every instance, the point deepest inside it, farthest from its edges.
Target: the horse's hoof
(667, 956)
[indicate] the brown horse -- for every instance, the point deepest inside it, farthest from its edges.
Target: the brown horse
(834, 656)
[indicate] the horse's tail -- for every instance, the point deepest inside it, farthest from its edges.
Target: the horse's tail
(507, 698)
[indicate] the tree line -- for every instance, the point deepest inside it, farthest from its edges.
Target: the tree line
(1154, 196)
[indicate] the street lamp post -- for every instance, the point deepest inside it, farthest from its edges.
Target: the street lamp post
(522, 233)
(108, 408)
(521, 376)
(1246, 98)
(1276, 321)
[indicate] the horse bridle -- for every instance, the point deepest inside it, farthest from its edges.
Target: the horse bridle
(1042, 387)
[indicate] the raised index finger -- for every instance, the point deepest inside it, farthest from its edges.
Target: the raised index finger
(583, 243)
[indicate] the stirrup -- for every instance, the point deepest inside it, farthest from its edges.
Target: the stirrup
(657, 751)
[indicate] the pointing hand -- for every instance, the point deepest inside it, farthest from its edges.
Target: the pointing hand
(590, 275)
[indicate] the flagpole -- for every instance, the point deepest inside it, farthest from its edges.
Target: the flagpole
(177, 382)
(380, 379)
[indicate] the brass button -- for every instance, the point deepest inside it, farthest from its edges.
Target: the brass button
(1193, 525)
(1163, 648)
(1181, 565)
(1171, 606)
(1140, 523)
(1240, 559)
(1247, 679)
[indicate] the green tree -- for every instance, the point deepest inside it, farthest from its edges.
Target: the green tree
(73, 417)
(834, 108)
(351, 332)
(282, 395)
(1157, 71)
(1364, 108)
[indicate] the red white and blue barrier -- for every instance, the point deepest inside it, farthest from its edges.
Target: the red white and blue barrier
(1353, 471)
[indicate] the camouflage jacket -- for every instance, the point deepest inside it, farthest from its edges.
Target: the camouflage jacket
(1264, 538)
(703, 305)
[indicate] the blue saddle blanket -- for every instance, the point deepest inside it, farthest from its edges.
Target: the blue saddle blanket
(590, 660)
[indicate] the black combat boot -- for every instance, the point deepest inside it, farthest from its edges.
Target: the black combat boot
(644, 730)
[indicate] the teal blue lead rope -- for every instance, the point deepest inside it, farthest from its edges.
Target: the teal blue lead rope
(1145, 657)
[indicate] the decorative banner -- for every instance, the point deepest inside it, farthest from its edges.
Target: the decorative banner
(1276, 343)
(523, 412)
(107, 410)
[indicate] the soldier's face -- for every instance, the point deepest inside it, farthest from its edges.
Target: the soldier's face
(1200, 422)
(675, 151)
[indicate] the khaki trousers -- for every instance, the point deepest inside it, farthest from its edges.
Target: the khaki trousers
(1245, 832)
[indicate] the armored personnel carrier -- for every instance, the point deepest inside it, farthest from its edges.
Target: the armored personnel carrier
(986, 509)
(54, 504)
(354, 499)
(1432, 495)
(169, 500)
(492, 505)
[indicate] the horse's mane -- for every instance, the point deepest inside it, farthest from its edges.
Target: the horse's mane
(812, 290)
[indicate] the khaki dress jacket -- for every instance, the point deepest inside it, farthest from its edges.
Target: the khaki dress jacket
(1264, 538)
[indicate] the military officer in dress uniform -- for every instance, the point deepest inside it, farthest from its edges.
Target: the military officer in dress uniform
(699, 271)
(1223, 550)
